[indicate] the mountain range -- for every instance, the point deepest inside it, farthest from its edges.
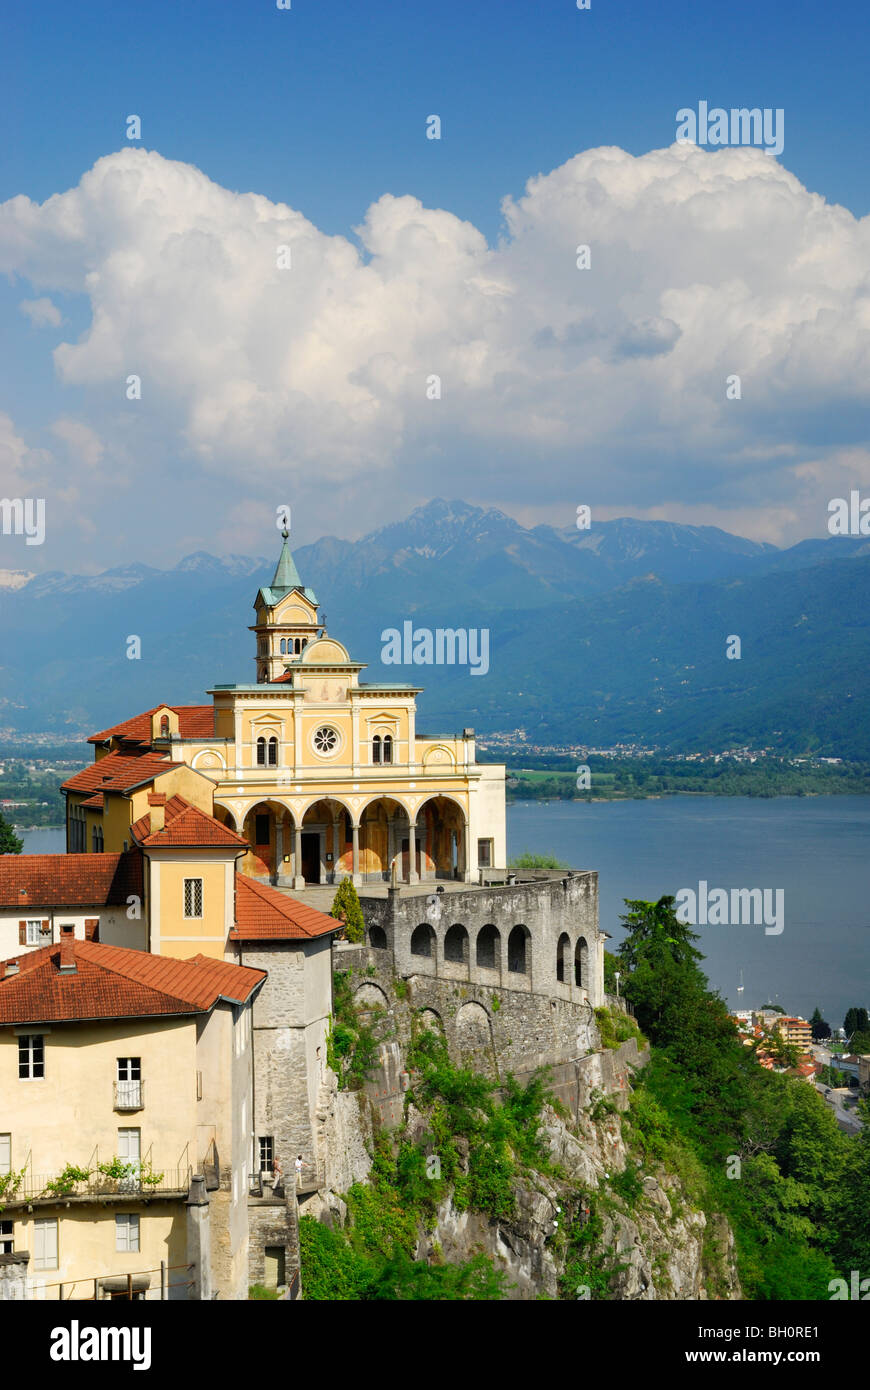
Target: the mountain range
(613, 634)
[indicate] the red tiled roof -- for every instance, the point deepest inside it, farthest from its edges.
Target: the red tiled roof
(70, 880)
(95, 802)
(194, 721)
(277, 680)
(119, 772)
(262, 913)
(115, 982)
(184, 825)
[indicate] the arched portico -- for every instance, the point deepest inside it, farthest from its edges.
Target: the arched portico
(386, 837)
(442, 834)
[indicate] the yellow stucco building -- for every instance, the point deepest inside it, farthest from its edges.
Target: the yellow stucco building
(322, 774)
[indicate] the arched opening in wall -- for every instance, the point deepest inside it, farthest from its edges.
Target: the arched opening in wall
(376, 748)
(384, 840)
(273, 751)
(423, 940)
(283, 646)
(442, 836)
(519, 950)
(563, 951)
(378, 938)
(488, 948)
(370, 996)
(474, 1037)
(431, 1019)
(456, 944)
(581, 964)
(261, 752)
(388, 748)
(164, 726)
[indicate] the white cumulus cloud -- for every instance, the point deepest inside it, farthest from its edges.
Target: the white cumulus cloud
(604, 384)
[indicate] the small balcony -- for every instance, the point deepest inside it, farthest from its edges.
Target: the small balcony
(129, 1095)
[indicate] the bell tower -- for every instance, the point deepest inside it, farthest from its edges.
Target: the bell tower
(287, 619)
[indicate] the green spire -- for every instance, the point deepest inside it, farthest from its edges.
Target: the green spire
(286, 576)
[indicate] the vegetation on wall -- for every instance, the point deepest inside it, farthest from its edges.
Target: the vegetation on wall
(351, 1043)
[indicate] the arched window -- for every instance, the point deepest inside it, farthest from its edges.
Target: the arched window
(517, 950)
(376, 748)
(261, 752)
(562, 952)
(456, 945)
(488, 947)
(273, 751)
(164, 726)
(581, 964)
(297, 647)
(422, 939)
(388, 748)
(378, 938)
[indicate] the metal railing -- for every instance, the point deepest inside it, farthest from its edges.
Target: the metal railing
(128, 1095)
(136, 1284)
(123, 1180)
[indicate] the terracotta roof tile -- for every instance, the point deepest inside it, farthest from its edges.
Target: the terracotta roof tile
(119, 772)
(116, 982)
(194, 721)
(262, 913)
(69, 880)
(184, 825)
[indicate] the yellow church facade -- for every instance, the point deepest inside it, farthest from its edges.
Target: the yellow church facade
(322, 774)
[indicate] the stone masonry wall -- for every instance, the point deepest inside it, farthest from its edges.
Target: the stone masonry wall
(496, 1030)
(474, 936)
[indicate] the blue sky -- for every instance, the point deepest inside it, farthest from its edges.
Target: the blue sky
(322, 104)
(322, 108)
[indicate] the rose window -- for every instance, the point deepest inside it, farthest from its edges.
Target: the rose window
(325, 739)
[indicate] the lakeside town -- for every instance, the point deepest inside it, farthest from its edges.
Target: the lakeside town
(797, 1046)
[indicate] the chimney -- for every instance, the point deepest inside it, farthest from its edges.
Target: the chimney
(157, 803)
(67, 949)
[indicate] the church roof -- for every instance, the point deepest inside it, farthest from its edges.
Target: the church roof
(69, 880)
(184, 824)
(194, 721)
(265, 914)
(119, 772)
(285, 579)
(113, 982)
(286, 575)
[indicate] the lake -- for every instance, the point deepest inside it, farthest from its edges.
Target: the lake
(816, 849)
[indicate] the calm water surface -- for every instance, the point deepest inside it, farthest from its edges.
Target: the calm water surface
(817, 849)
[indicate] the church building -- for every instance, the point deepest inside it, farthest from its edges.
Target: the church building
(321, 773)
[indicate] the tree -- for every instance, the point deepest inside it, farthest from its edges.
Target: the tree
(860, 1042)
(346, 908)
(820, 1026)
(653, 928)
(856, 1021)
(9, 841)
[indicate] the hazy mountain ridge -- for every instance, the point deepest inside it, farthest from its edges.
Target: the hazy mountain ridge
(643, 609)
